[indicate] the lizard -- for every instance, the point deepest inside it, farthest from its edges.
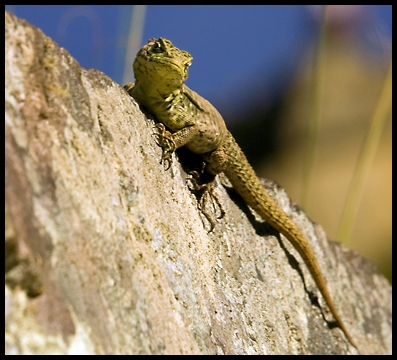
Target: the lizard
(187, 119)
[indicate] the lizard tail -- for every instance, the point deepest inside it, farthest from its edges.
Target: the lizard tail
(250, 188)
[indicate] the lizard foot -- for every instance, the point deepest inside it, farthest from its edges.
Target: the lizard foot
(165, 140)
(207, 194)
(128, 86)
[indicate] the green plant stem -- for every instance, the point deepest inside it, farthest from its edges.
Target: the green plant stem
(365, 158)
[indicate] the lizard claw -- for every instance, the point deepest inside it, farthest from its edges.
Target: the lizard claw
(207, 194)
(165, 140)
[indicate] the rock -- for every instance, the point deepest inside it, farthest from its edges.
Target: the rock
(107, 253)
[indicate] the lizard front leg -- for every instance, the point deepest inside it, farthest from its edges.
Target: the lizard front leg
(166, 141)
(202, 181)
(169, 142)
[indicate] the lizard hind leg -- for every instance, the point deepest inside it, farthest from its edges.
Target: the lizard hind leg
(204, 184)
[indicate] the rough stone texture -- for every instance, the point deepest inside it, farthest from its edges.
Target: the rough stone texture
(106, 252)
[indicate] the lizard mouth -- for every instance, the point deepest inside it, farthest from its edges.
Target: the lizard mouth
(182, 66)
(162, 51)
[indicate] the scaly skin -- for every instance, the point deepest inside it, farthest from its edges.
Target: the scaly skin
(160, 71)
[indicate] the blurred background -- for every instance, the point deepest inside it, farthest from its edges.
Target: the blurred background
(306, 91)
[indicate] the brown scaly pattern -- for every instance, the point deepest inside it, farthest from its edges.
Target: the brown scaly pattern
(189, 120)
(245, 181)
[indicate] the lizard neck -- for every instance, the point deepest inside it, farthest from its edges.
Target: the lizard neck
(153, 97)
(160, 101)
(155, 91)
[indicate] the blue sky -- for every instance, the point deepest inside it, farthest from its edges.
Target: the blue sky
(242, 54)
(231, 45)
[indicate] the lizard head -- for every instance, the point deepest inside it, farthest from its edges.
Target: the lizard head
(160, 62)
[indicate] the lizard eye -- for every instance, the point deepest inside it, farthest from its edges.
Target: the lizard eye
(157, 47)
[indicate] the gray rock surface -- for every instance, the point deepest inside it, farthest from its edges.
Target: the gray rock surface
(107, 253)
